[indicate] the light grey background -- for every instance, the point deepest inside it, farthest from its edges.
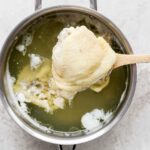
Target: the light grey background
(133, 132)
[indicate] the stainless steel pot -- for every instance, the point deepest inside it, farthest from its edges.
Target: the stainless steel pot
(56, 137)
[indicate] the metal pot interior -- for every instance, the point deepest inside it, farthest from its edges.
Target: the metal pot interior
(73, 16)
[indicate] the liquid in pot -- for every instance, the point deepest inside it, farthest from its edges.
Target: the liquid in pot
(44, 37)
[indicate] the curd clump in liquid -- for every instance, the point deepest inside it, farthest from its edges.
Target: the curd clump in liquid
(80, 60)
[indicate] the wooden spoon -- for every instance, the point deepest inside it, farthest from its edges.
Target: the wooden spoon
(126, 59)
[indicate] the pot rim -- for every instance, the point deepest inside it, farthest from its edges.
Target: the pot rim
(78, 139)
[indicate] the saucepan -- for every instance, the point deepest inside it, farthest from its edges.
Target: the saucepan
(97, 19)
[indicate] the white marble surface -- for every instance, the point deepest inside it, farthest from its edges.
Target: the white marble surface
(133, 18)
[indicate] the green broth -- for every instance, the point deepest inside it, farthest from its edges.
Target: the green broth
(69, 119)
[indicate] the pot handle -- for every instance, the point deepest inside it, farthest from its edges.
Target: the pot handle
(38, 4)
(60, 147)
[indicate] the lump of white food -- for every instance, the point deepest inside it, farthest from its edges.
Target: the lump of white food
(80, 60)
(20, 48)
(34, 85)
(95, 118)
(59, 102)
(35, 61)
(89, 122)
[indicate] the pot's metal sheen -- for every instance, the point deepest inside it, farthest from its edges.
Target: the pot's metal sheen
(64, 139)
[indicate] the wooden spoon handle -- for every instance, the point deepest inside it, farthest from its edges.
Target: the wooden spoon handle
(124, 59)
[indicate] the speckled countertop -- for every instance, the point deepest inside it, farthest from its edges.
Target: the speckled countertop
(133, 18)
